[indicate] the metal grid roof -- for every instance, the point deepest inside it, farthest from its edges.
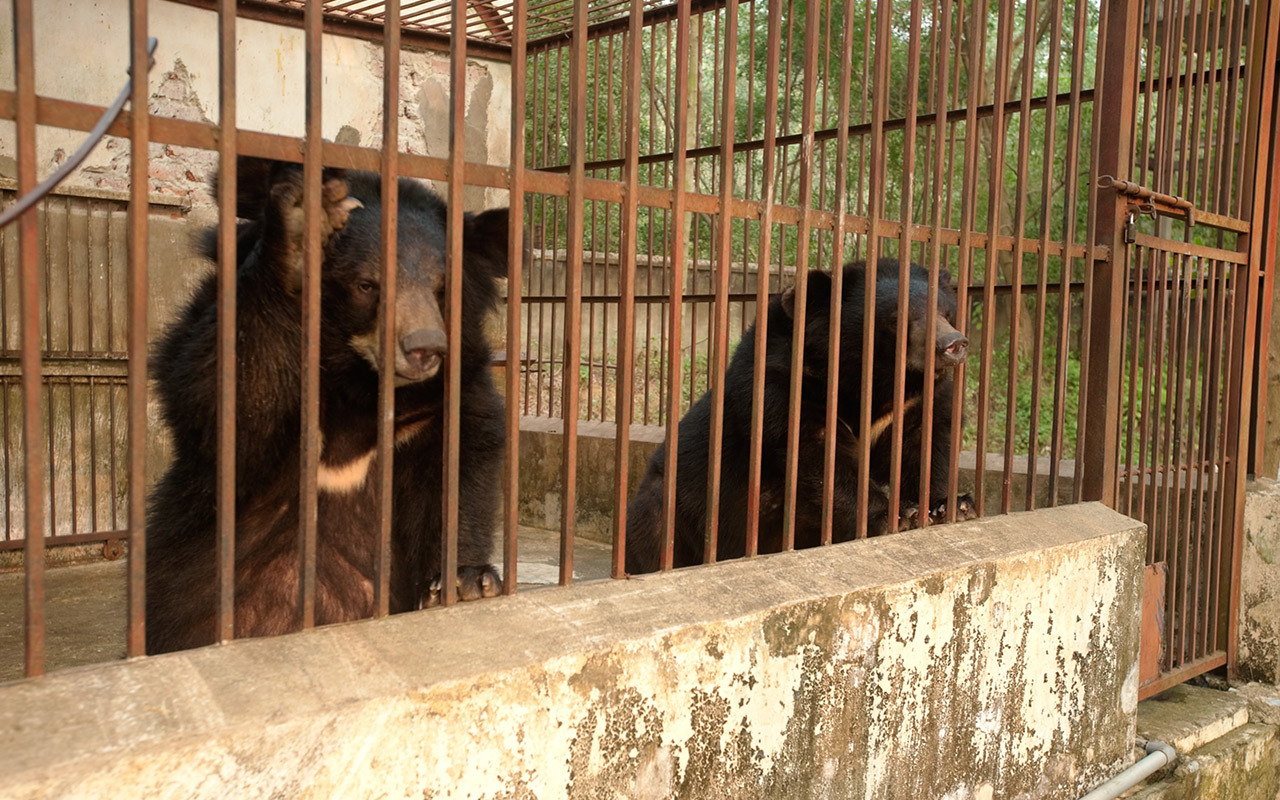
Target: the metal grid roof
(487, 20)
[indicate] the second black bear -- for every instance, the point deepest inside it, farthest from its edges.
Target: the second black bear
(644, 538)
(181, 553)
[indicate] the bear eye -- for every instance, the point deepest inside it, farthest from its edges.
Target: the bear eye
(367, 287)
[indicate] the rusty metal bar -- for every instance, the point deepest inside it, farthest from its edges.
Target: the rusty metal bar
(995, 194)
(515, 280)
(625, 402)
(1208, 445)
(77, 116)
(1261, 99)
(227, 188)
(453, 303)
(312, 258)
(1266, 298)
(137, 239)
(1115, 148)
(652, 18)
(1144, 431)
(904, 271)
(1042, 264)
(294, 17)
(1016, 262)
(808, 110)
(772, 65)
(837, 278)
(29, 322)
(1194, 460)
(968, 203)
(940, 100)
(724, 232)
(574, 233)
(676, 287)
(875, 211)
(1181, 565)
(387, 344)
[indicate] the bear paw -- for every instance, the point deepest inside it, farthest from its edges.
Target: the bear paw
(965, 510)
(909, 518)
(286, 219)
(472, 583)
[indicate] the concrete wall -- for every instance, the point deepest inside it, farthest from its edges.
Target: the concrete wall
(992, 659)
(1259, 613)
(82, 55)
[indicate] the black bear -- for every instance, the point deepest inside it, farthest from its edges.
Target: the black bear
(644, 540)
(181, 542)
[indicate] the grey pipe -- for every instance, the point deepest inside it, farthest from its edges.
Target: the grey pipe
(1158, 755)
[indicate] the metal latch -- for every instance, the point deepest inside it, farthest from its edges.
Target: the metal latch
(1147, 201)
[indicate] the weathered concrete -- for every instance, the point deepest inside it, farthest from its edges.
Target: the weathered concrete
(996, 658)
(1232, 746)
(1186, 717)
(1259, 653)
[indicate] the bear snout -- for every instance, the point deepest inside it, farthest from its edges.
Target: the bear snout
(953, 346)
(422, 352)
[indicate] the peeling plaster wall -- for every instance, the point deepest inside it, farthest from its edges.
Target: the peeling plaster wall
(992, 659)
(82, 55)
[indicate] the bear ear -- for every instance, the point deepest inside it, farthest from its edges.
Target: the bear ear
(486, 237)
(944, 277)
(817, 295)
(254, 178)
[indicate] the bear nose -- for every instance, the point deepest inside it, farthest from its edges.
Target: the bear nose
(952, 349)
(424, 349)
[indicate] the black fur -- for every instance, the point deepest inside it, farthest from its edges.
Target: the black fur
(644, 511)
(181, 553)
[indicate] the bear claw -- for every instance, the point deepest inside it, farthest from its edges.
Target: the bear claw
(472, 583)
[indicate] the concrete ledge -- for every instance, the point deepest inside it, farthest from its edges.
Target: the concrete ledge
(991, 658)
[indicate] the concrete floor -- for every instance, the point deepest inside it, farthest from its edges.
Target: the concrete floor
(85, 605)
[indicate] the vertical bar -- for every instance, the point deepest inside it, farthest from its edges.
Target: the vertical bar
(968, 210)
(807, 113)
(515, 280)
(625, 402)
(1261, 99)
(875, 211)
(453, 314)
(1209, 447)
(312, 255)
(904, 268)
(1259, 419)
(1042, 271)
(138, 183)
(990, 276)
(227, 188)
(724, 231)
(676, 287)
(1016, 259)
(574, 233)
(767, 176)
(837, 275)
(1117, 65)
(940, 100)
(29, 319)
(387, 300)
(1194, 466)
